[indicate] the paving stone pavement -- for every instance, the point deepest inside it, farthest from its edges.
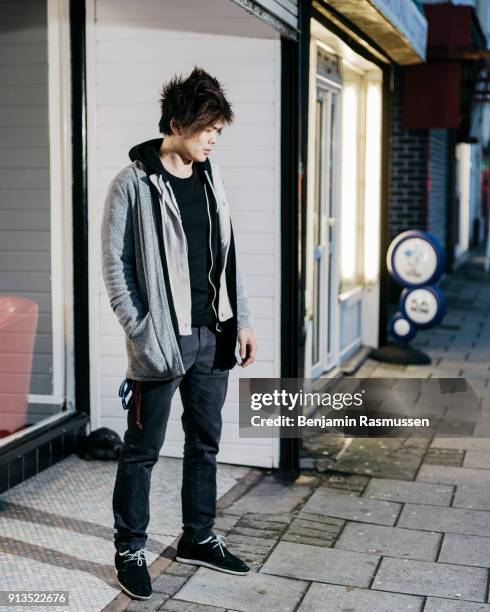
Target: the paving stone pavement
(332, 598)
(413, 492)
(394, 524)
(56, 529)
(390, 541)
(350, 506)
(427, 578)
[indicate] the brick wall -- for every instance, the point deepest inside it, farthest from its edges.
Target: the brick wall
(408, 170)
(419, 174)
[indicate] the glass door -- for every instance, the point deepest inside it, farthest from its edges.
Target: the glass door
(36, 371)
(324, 228)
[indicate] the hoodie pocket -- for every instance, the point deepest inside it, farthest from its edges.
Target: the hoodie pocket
(146, 348)
(139, 326)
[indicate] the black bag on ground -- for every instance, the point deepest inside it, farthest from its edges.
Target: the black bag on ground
(103, 443)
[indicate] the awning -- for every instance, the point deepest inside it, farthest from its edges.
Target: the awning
(440, 94)
(282, 15)
(398, 27)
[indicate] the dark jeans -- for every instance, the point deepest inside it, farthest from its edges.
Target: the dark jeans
(203, 390)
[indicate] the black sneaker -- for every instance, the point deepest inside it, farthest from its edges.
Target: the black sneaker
(211, 553)
(132, 573)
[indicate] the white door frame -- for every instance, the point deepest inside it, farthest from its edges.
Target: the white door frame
(328, 303)
(364, 291)
(59, 105)
(61, 227)
(329, 93)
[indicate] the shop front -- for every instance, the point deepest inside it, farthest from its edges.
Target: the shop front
(352, 50)
(131, 50)
(344, 204)
(80, 86)
(454, 86)
(310, 88)
(39, 423)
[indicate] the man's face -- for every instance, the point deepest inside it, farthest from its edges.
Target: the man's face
(200, 145)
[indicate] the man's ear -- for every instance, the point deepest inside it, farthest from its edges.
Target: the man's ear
(174, 126)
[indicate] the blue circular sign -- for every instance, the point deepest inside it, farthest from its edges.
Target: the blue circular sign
(425, 307)
(415, 259)
(401, 328)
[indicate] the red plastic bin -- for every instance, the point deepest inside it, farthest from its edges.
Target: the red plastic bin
(18, 326)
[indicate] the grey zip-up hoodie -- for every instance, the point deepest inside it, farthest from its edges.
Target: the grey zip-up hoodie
(144, 254)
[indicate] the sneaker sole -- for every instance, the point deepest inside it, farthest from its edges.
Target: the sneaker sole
(128, 592)
(211, 566)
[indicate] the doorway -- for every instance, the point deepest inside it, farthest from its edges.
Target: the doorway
(323, 218)
(324, 227)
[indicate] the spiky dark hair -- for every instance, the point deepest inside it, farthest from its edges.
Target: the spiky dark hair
(195, 103)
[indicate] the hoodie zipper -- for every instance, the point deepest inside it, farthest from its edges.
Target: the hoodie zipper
(217, 209)
(218, 326)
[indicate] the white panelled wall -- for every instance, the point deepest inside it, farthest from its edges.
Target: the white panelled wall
(131, 49)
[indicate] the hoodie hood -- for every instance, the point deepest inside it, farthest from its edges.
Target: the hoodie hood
(148, 153)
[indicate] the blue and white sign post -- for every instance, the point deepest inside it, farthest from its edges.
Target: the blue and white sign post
(415, 261)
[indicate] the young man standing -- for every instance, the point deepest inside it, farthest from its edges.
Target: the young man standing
(174, 284)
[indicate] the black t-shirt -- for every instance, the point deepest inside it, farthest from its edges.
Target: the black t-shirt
(191, 200)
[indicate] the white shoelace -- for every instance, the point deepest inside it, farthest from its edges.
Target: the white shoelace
(219, 540)
(139, 555)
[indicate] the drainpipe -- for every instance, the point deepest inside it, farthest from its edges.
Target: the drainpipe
(294, 124)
